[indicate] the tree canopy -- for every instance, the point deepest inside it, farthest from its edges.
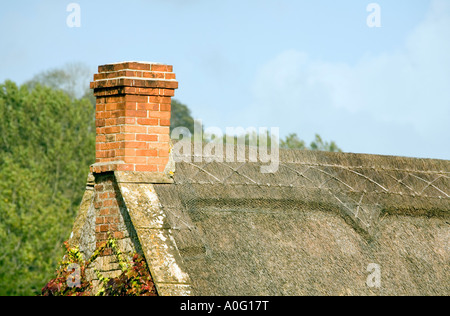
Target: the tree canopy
(46, 146)
(292, 141)
(181, 116)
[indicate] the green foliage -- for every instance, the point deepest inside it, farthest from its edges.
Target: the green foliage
(249, 138)
(46, 146)
(72, 78)
(181, 116)
(292, 141)
(59, 286)
(319, 144)
(134, 280)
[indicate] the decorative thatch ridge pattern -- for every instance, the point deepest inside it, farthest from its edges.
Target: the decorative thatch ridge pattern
(360, 185)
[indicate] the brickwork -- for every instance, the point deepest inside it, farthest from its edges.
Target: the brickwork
(111, 216)
(111, 219)
(133, 116)
(133, 110)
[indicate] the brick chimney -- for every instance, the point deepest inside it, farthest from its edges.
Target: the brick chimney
(133, 116)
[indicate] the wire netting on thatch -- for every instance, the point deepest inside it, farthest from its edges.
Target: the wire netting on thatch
(314, 225)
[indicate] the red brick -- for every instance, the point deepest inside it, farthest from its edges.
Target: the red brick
(138, 66)
(164, 122)
(146, 168)
(117, 113)
(100, 138)
(146, 152)
(100, 107)
(170, 76)
(152, 74)
(108, 154)
(125, 167)
(159, 130)
(165, 115)
(111, 220)
(101, 239)
(107, 252)
(158, 67)
(100, 154)
(158, 145)
(112, 227)
(168, 92)
(134, 129)
(130, 90)
(135, 160)
(136, 98)
(129, 152)
(147, 91)
(147, 138)
(118, 235)
(121, 137)
(113, 106)
(114, 99)
(147, 121)
(148, 106)
(157, 160)
(104, 211)
(102, 196)
(110, 122)
(112, 129)
(163, 153)
(130, 105)
(141, 145)
(107, 203)
(99, 220)
(160, 99)
(112, 195)
(164, 138)
(165, 107)
(134, 113)
(121, 66)
(161, 168)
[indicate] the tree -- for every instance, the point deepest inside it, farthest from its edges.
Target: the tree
(46, 146)
(72, 78)
(181, 116)
(292, 141)
(319, 144)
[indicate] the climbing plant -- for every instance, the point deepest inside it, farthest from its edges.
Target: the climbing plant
(71, 279)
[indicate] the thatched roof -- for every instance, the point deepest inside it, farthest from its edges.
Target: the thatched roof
(312, 228)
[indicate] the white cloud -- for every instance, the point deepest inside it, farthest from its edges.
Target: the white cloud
(404, 92)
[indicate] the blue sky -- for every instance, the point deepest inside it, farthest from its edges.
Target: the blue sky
(304, 66)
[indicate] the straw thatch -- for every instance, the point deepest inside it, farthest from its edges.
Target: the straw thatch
(314, 227)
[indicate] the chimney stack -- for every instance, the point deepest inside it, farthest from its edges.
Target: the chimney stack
(133, 116)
